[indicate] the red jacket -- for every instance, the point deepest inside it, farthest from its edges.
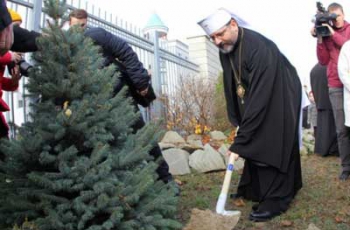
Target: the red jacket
(5, 84)
(328, 53)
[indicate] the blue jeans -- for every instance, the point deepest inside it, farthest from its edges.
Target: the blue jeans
(343, 135)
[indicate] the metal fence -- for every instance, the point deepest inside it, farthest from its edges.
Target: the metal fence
(171, 65)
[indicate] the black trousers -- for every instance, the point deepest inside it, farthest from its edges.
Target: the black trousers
(273, 189)
(326, 135)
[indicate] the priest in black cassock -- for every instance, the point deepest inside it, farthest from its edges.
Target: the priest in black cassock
(263, 94)
(326, 134)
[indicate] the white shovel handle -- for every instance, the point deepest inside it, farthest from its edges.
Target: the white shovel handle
(220, 205)
(229, 169)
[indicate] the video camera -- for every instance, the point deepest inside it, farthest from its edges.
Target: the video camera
(322, 17)
(24, 67)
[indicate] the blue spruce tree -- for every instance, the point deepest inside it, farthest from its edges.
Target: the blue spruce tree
(77, 165)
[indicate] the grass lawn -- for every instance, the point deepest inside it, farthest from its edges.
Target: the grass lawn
(323, 201)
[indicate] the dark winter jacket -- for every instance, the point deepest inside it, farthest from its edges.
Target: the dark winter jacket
(116, 48)
(24, 40)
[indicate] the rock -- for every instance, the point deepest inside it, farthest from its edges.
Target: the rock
(177, 160)
(191, 148)
(223, 150)
(206, 160)
(164, 146)
(196, 144)
(173, 138)
(217, 136)
(194, 137)
(312, 227)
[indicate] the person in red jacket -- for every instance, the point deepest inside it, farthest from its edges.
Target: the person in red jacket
(7, 84)
(328, 49)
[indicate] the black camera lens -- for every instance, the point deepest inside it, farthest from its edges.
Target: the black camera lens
(323, 31)
(24, 67)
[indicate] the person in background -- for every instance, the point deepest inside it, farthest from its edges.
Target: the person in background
(326, 136)
(305, 123)
(328, 49)
(344, 75)
(118, 52)
(15, 17)
(7, 84)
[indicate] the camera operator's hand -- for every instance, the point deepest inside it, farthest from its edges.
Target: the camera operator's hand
(15, 57)
(16, 75)
(313, 32)
(331, 30)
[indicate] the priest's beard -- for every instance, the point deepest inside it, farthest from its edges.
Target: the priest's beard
(226, 47)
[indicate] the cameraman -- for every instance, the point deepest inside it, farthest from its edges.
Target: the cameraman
(328, 49)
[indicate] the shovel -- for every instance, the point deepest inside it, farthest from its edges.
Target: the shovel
(220, 205)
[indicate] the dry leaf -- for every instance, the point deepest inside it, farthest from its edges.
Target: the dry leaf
(286, 223)
(205, 139)
(239, 202)
(179, 182)
(231, 137)
(338, 219)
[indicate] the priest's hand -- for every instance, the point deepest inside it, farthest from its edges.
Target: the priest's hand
(236, 156)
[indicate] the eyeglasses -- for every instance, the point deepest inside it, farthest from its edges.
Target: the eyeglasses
(219, 34)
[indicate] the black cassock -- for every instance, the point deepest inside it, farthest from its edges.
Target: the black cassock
(268, 121)
(326, 135)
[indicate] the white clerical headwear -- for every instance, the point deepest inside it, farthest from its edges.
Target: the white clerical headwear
(215, 21)
(219, 19)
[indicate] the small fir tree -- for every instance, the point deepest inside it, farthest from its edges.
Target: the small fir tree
(77, 164)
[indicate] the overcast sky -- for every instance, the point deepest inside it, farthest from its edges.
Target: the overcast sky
(287, 23)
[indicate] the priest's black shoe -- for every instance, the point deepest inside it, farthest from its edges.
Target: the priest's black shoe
(344, 175)
(261, 216)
